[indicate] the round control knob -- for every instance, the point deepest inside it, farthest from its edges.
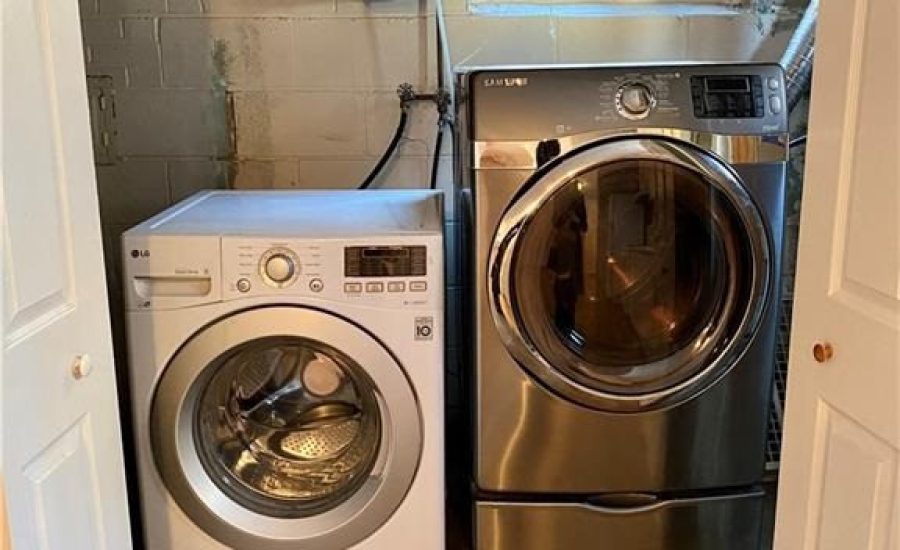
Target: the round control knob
(635, 100)
(279, 268)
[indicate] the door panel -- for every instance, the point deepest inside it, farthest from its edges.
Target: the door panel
(839, 485)
(867, 142)
(39, 283)
(853, 511)
(62, 458)
(60, 472)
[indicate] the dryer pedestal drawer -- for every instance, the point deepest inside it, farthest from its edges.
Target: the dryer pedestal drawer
(731, 522)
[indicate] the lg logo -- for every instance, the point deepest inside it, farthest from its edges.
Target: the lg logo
(140, 253)
(424, 328)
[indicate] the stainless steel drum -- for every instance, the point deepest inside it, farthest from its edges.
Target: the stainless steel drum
(287, 426)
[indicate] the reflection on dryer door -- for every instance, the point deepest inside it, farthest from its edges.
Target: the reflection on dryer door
(633, 278)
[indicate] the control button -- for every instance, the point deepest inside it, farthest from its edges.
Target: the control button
(396, 286)
(775, 104)
(316, 285)
(374, 287)
(418, 286)
(353, 288)
(773, 83)
(243, 285)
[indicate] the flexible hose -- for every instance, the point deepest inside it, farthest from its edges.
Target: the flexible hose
(389, 152)
(438, 141)
(797, 142)
(797, 59)
(436, 159)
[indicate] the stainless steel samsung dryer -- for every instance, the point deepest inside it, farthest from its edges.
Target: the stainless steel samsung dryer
(626, 237)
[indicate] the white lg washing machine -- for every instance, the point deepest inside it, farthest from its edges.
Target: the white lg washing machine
(286, 363)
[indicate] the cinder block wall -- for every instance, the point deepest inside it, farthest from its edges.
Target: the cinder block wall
(250, 93)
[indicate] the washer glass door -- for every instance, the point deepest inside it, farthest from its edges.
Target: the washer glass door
(280, 426)
(627, 276)
(287, 426)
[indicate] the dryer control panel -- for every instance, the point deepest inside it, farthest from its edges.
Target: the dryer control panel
(512, 104)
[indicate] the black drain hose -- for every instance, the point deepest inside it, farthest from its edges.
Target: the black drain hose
(443, 123)
(436, 158)
(389, 152)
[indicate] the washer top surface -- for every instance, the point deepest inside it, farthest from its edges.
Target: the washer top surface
(324, 214)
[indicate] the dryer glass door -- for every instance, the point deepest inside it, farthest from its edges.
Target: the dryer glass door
(280, 427)
(628, 275)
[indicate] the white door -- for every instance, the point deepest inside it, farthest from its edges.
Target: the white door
(62, 460)
(840, 484)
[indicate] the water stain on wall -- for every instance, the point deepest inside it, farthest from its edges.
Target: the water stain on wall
(255, 124)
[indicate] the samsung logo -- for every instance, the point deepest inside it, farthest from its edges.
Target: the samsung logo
(506, 82)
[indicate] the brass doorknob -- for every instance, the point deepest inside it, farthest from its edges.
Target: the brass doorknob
(823, 352)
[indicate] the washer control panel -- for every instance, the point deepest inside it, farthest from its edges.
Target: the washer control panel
(406, 273)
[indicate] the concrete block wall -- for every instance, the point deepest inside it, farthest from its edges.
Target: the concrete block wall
(634, 34)
(242, 93)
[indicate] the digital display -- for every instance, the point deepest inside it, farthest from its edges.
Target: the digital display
(727, 96)
(728, 84)
(385, 261)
